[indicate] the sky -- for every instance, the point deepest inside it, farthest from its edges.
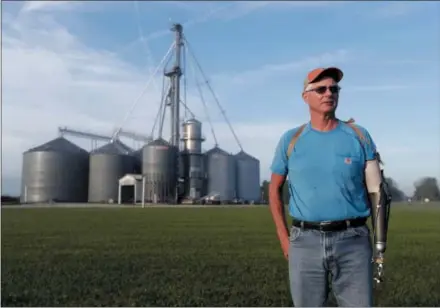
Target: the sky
(90, 66)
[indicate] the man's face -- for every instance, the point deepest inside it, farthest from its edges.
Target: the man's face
(322, 96)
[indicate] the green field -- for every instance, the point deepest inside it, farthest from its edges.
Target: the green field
(186, 257)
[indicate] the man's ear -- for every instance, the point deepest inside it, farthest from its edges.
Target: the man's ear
(304, 96)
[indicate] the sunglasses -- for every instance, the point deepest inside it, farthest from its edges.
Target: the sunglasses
(323, 89)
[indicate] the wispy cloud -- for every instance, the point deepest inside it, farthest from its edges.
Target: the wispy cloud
(241, 9)
(191, 6)
(226, 11)
(203, 16)
(402, 8)
(268, 71)
(388, 87)
(33, 6)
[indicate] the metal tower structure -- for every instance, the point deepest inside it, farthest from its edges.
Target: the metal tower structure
(175, 166)
(94, 137)
(174, 95)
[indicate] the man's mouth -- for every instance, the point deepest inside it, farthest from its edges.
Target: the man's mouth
(329, 102)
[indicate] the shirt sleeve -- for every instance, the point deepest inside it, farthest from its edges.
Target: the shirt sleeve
(370, 146)
(279, 161)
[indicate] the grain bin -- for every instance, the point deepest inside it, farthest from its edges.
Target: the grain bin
(138, 157)
(108, 164)
(160, 168)
(221, 174)
(55, 171)
(248, 177)
(192, 158)
(192, 136)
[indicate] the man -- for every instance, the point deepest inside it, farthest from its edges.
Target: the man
(327, 165)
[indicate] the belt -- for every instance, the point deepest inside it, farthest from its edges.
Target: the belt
(328, 226)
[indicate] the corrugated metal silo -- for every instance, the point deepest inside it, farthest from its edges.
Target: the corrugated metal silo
(138, 156)
(192, 158)
(248, 177)
(55, 171)
(192, 136)
(160, 168)
(108, 164)
(221, 174)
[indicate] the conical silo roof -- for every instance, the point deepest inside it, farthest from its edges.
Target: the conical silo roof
(243, 155)
(114, 148)
(159, 142)
(59, 144)
(216, 150)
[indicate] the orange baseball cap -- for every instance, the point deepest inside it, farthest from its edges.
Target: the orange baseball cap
(317, 73)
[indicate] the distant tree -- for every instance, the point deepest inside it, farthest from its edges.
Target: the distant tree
(426, 187)
(265, 191)
(6, 199)
(396, 193)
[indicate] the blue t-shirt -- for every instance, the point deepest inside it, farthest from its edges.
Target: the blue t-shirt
(325, 172)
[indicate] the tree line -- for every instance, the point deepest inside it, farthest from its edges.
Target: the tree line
(424, 188)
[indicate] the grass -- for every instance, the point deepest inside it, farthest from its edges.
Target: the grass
(185, 257)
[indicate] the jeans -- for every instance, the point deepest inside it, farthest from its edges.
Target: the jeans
(342, 258)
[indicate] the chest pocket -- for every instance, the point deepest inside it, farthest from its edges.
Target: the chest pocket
(348, 165)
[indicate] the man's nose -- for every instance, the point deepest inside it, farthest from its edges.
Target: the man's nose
(328, 92)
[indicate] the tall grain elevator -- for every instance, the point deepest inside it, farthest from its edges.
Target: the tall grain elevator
(192, 157)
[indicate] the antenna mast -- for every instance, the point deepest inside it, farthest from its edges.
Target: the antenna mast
(174, 74)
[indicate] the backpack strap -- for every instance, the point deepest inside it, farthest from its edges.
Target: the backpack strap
(349, 122)
(294, 139)
(358, 132)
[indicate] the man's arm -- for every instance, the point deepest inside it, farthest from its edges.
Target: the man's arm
(378, 195)
(279, 173)
(373, 177)
(277, 210)
(373, 181)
